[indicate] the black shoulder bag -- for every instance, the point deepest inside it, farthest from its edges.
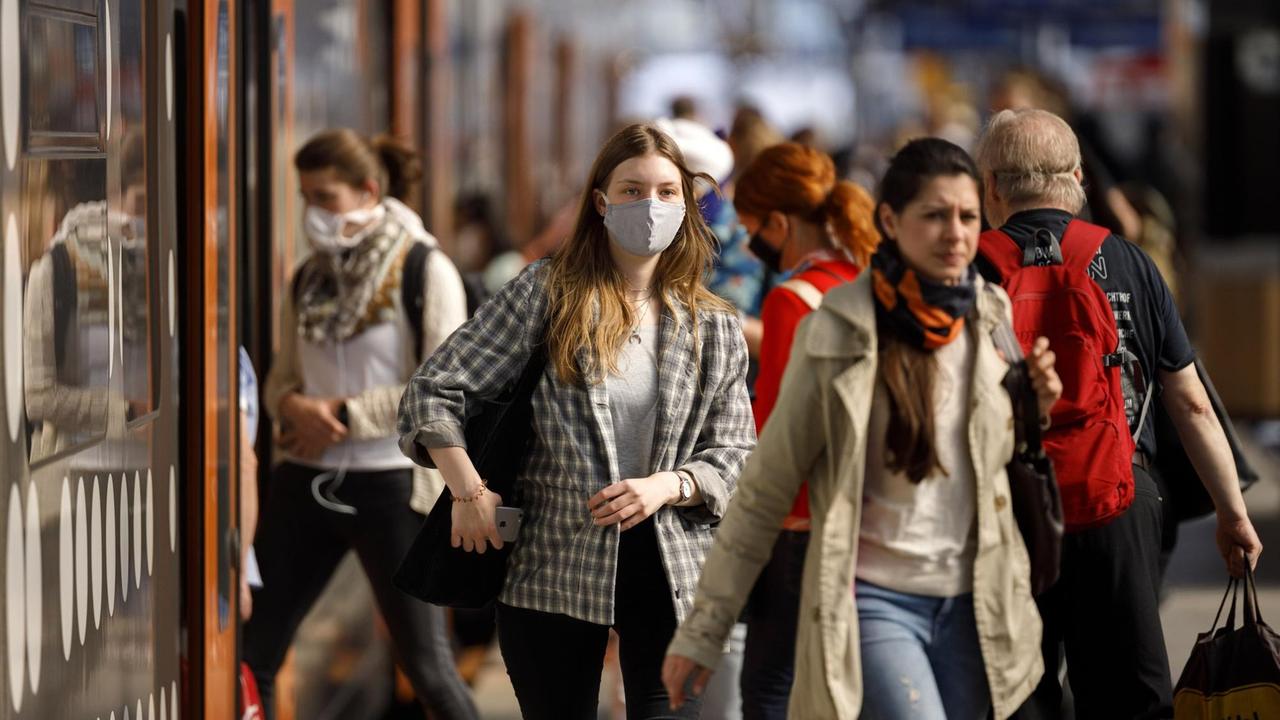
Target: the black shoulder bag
(1037, 506)
(498, 439)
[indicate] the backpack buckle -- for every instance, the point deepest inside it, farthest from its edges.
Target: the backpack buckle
(1115, 359)
(1042, 248)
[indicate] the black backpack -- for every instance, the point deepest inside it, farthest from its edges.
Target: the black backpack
(413, 291)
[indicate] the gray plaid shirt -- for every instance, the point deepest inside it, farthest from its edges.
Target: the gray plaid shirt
(564, 563)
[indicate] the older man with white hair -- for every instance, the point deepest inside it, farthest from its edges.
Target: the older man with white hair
(1104, 608)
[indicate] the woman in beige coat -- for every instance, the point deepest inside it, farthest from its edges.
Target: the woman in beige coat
(916, 597)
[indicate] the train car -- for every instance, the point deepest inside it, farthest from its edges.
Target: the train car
(118, 210)
(147, 214)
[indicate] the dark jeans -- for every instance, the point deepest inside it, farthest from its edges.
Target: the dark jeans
(1105, 612)
(554, 661)
(299, 545)
(768, 662)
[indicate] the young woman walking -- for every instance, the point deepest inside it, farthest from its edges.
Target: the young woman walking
(348, 344)
(915, 598)
(815, 233)
(641, 425)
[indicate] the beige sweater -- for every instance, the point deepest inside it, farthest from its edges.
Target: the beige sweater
(372, 413)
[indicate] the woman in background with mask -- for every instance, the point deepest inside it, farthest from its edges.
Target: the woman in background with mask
(641, 424)
(347, 346)
(815, 232)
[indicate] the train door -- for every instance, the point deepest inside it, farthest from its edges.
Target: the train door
(93, 485)
(210, 191)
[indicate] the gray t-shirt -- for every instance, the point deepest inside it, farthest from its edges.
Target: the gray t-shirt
(633, 403)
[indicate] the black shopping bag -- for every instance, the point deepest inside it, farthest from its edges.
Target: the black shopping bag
(1233, 672)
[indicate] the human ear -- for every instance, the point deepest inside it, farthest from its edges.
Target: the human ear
(779, 226)
(601, 202)
(888, 221)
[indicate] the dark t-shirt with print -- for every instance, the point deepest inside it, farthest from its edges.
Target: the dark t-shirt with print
(1146, 316)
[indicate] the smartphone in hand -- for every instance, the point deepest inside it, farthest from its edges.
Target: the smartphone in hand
(508, 521)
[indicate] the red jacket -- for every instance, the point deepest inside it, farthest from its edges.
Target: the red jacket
(782, 312)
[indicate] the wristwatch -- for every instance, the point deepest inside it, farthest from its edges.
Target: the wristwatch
(686, 487)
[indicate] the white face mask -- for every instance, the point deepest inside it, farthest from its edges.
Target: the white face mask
(644, 227)
(325, 229)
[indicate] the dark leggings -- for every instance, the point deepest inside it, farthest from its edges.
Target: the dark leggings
(554, 661)
(300, 543)
(773, 612)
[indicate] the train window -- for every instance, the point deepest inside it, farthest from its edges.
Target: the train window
(63, 80)
(69, 301)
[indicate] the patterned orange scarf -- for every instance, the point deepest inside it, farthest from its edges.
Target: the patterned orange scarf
(924, 313)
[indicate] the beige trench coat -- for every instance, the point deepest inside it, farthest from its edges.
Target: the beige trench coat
(818, 432)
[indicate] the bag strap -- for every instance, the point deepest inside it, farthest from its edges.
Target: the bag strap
(805, 290)
(1081, 242)
(1231, 586)
(1142, 416)
(1026, 408)
(412, 292)
(533, 369)
(1001, 251)
(1252, 610)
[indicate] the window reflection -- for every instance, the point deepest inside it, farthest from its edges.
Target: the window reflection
(69, 231)
(62, 84)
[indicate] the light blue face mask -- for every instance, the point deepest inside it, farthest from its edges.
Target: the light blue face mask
(644, 227)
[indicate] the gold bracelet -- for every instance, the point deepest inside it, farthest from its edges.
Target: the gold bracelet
(478, 494)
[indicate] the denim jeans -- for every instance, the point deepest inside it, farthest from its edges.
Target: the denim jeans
(722, 699)
(920, 656)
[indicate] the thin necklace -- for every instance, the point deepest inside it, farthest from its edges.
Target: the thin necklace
(640, 316)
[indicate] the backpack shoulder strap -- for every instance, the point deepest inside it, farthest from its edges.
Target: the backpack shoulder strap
(295, 283)
(1081, 242)
(805, 290)
(1001, 251)
(412, 295)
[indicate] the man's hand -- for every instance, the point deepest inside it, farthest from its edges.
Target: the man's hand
(1235, 534)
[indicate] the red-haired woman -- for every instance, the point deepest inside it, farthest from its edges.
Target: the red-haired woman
(820, 232)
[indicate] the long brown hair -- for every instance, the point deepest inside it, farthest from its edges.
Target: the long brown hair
(798, 180)
(910, 373)
(383, 159)
(586, 291)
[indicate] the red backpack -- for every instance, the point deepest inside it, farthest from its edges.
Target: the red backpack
(1053, 296)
